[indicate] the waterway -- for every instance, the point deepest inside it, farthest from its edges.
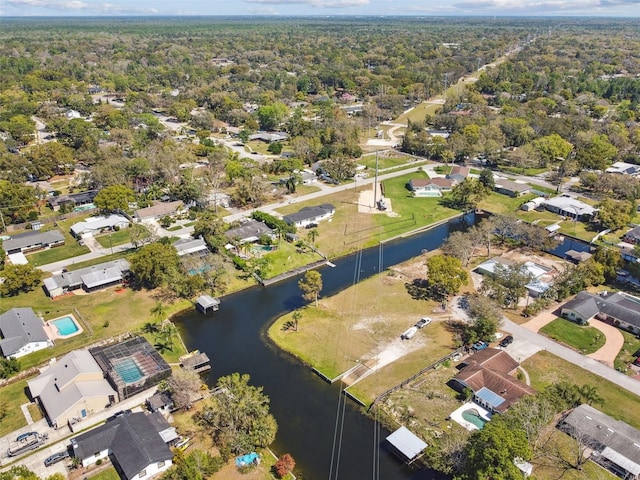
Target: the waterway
(308, 410)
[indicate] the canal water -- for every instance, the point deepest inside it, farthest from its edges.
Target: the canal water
(306, 407)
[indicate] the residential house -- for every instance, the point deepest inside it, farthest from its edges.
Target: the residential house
(90, 279)
(31, 241)
(632, 236)
(71, 389)
(577, 257)
(458, 173)
(159, 210)
(540, 276)
(136, 444)
(624, 168)
(510, 188)
(160, 402)
(308, 215)
(249, 231)
(620, 309)
(430, 187)
(270, 137)
(99, 224)
(568, 206)
(488, 373)
(613, 444)
(191, 246)
(21, 333)
(74, 199)
(308, 177)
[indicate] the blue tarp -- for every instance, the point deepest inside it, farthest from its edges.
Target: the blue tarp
(247, 459)
(492, 399)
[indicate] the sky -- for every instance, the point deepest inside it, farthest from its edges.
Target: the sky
(618, 8)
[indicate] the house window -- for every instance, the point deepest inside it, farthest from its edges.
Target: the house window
(161, 464)
(143, 473)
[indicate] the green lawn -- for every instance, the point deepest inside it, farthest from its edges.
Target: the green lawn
(504, 204)
(68, 250)
(384, 162)
(520, 171)
(287, 257)
(545, 369)
(13, 396)
(108, 474)
(625, 357)
(585, 339)
(109, 240)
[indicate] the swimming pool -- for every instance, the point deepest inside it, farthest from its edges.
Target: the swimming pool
(66, 326)
(128, 370)
(472, 416)
(82, 208)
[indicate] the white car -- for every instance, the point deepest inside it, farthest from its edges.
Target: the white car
(423, 322)
(409, 333)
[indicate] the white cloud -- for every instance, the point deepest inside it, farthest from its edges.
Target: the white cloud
(314, 3)
(55, 5)
(541, 6)
(62, 5)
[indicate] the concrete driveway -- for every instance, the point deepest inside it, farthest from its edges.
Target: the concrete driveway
(615, 341)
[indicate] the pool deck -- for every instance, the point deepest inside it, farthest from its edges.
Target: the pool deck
(52, 331)
(456, 416)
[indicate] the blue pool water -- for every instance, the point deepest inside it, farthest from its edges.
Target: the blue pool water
(128, 370)
(472, 416)
(65, 326)
(82, 208)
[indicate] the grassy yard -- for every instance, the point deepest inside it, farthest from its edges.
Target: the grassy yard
(520, 171)
(384, 162)
(109, 474)
(545, 369)
(504, 204)
(13, 396)
(584, 339)
(71, 247)
(116, 238)
(288, 256)
(626, 355)
(349, 328)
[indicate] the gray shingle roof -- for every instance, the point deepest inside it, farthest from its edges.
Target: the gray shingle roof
(584, 305)
(248, 230)
(309, 213)
(620, 307)
(32, 239)
(134, 442)
(19, 327)
(75, 278)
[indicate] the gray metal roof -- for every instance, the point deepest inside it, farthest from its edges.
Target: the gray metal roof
(248, 230)
(59, 387)
(102, 277)
(620, 440)
(309, 213)
(75, 277)
(134, 442)
(95, 224)
(185, 246)
(407, 442)
(206, 301)
(32, 239)
(19, 327)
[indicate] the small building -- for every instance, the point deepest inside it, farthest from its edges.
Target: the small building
(22, 333)
(406, 444)
(568, 206)
(206, 303)
(552, 229)
(90, 279)
(160, 402)
(95, 225)
(32, 241)
(577, 257)
(623, 168)
(510, 188)
(159, 210)
(131, 366)
(136, 443)
(532, 204)
(196, 361)
(249, 231)
(430, 187)
(632, 236)
(191, 246)
(71, 389)
(614, 445)
(308, 215)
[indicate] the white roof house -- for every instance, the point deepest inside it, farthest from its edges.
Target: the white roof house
(569, 207)
(94, 225)
(188, 246)
(89, 278)
(73, 387)
(21, 333)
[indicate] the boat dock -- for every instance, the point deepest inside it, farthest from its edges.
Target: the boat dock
(205, 304)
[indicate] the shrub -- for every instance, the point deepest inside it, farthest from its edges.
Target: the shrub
(284, 465)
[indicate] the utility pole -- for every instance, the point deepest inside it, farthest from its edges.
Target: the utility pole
(446, 79)
(375, 184)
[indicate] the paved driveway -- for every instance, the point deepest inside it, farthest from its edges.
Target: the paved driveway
(615, 341)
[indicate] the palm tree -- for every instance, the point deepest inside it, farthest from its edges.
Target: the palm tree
(150, 327)
(168, 332)
(159, 311)
(313, 234)
(296, 316)
(590, 395)
(161, 347)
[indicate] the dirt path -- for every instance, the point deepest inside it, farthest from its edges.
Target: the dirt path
(615, 341)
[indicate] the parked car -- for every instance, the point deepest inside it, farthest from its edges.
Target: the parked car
(506, 341)
(56, 457)
(311, 225)
(423, 322)
(22, 436)
(408, 334)
(479, 346)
